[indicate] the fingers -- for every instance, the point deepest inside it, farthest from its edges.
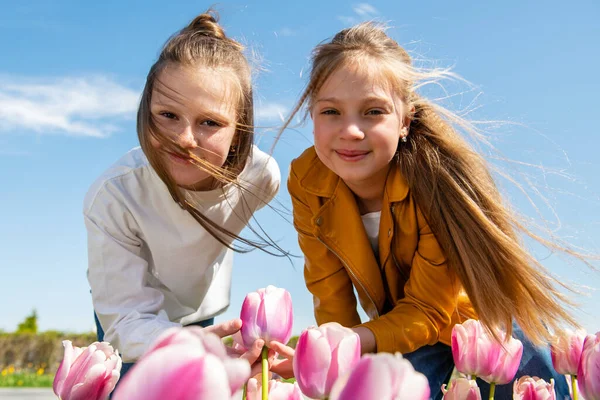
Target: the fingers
(226, 328)
(252, 389)
(282, 349)
(283, 368)
(253, 354)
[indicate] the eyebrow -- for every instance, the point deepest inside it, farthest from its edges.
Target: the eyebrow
(176, 106)
(368, 99)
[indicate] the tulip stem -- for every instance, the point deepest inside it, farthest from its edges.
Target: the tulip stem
(245, 393)
(265, 373)
(574, 386)
(492, 390)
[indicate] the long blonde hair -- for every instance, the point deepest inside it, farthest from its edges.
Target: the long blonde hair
(204, 43)
(453, 186)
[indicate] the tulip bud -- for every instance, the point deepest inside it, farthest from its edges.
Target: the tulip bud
(267, 314)
(475, 352)
(89, 373)
(528, 388)
(322, 355)
(462, 389)
(507, 364)
(184, 356)
(566, 351)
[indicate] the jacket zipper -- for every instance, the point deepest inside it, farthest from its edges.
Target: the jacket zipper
(351, 273)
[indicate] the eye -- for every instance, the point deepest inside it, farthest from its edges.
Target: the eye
(168, 115)
(330, 112)
(375, 111)
(210, 122)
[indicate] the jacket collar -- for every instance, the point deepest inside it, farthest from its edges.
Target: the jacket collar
(321, 181)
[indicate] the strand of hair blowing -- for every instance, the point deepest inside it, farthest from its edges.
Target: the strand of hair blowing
(453, 186)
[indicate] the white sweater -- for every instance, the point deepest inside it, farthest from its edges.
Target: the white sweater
(151, 264)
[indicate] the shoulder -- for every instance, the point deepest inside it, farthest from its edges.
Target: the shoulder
(117, 179)
(261, 168)
(301, 166)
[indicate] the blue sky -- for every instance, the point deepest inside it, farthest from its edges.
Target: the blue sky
(71, 73)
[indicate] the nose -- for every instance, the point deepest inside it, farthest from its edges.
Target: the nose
(186, 138)
(351, 130)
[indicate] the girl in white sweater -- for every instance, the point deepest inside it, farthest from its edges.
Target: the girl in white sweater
(164, 221)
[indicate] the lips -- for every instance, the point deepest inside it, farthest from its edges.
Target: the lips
(351, 155)
(179, 159)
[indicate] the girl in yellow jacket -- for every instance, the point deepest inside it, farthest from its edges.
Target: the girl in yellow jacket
(391, 201)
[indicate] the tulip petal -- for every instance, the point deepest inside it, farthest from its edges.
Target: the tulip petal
(79, 369)
(91, 387)
(175, 372)
(276, 309)
(248, 315)
(110, 383)
(343, 358)
(64, 367)
(312, 358)
(238, 372)
(368, 380)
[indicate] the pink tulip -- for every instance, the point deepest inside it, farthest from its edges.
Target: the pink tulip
(462, 389)
(566, 351)
(267, 314)
(322, 355)
(182, 364)
(381, 376)
(194, 336)
(474, 351)
(176, 372)
(528, 388)
(89, 373)
(507, 364)
(277, 390)
(588, 374)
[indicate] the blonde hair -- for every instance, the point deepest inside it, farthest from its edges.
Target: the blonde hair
(204, 43)
(453, 186)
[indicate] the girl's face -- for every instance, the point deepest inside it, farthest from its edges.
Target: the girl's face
(357, 125)
(196, 108)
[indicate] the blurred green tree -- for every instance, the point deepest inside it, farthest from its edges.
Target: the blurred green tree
(29, 325)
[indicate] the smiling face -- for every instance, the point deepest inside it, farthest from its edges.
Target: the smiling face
(357, 125)
(196, 108)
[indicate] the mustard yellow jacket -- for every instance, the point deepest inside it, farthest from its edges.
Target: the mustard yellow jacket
(409, 293)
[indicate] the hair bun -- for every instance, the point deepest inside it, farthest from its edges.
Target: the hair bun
(207, 24)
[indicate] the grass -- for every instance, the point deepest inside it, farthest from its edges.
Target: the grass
(11, 377)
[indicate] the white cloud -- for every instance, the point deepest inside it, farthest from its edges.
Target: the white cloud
(271, 111)
(363, 12)
(81, 106)
(285, 31)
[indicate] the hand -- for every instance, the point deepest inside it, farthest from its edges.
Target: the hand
(226, 328)
(282, 367)
(367, 340)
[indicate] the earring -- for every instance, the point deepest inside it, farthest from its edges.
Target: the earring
(232, 149)
(404, 134)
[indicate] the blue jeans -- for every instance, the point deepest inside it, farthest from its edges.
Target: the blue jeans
(127, 366)
(436, 362)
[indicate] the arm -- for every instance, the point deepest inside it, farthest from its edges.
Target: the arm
(130, 312)
(325, 276)
(431, 297)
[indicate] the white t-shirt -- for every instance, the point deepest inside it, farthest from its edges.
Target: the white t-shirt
(371, 223)
(151, 264)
